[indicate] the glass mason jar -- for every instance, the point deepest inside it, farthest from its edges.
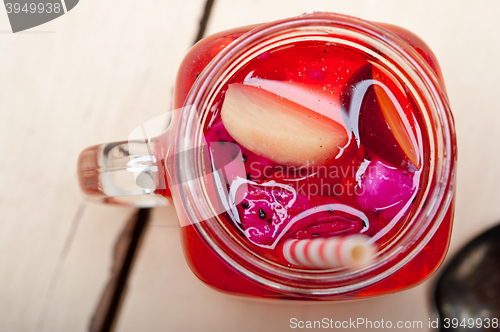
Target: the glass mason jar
(174, 166)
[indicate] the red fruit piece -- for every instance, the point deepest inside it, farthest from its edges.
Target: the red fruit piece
(397, 112)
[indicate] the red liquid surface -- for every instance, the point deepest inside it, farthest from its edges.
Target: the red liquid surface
(360, 191)
(333, 73)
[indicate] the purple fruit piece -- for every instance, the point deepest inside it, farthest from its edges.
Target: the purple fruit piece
(266, 212)
(364, 114)
(218, 133)
(227, 159)
(384, 189)
(257, 168)
(225, 153)
(376, 135)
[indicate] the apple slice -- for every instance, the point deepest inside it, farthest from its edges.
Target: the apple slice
(312, 96)
(395, 106)
(279, 129)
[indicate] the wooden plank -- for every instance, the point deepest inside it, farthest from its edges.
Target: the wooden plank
(79, 284)
(126, 247)
(163, 293)
(88, 77)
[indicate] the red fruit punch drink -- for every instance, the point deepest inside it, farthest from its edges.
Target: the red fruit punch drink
(318, 133)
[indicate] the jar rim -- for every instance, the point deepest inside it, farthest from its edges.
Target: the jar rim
(282, 279)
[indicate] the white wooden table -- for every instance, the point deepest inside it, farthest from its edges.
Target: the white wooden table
(94, 74)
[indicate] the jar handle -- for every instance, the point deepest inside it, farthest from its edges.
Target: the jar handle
(128, 172)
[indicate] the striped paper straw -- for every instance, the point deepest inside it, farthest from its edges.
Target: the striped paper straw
(348, 251)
